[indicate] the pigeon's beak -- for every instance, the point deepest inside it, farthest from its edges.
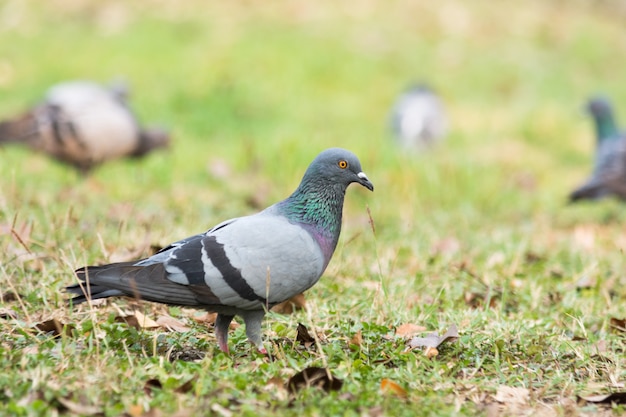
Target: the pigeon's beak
(364, 181)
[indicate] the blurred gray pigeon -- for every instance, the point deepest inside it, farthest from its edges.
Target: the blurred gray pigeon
(245, 265)
(83, 124)
(609, 172)
(418, 118)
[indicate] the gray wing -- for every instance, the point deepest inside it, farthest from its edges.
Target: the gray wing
(249, 262)
(242, 264)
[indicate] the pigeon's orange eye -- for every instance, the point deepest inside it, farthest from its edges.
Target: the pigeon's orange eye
(342, 164)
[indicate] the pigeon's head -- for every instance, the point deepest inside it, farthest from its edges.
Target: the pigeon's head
(419, 88)
(599, 107)
(338, 166)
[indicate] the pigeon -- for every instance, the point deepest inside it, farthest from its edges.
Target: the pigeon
(245, 265)
(418, 118)
(609, 172)
(83, 124)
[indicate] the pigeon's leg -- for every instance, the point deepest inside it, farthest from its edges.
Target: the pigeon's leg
(253, 320)
(221, 331)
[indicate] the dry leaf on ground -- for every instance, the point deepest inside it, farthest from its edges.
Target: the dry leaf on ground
(617, 325)
(387, 386)
(357, 339)
(303, 336)
(314, 377)
(614, 397)
(295, 303)
(431, 352)
(137, 320)
(9, 296)
(433, 340)
(7, 314)
(512, 395)
(78, 408)
(209, 318)
(206, 318)
(409, 330)
(171, 324)
(54, 326)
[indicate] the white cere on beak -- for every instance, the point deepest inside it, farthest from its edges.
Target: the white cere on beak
(361, 175)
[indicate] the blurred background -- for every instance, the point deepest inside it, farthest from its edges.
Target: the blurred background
(252, 91)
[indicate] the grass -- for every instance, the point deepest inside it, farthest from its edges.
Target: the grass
(476, 233)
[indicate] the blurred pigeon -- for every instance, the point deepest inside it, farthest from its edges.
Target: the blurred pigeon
(418, 118)
(609, 172)
(83, 124)
(246, 265)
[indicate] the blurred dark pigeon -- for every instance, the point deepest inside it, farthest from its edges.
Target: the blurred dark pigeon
(609, 171)
(246, 265)
(83, 124)
(418, 118)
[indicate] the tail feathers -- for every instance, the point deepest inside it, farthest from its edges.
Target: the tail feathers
(142, 282)
(595, 190)
(21, 129)
(150, 139)
(94, 292)
(589, 191)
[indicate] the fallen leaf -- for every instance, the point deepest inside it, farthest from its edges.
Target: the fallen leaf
(9, 296)
(512, 395)
(78, 408)
(303, 336)
(135, 410)
(151, 385)
(221, 410)
(433, 340)
(206, 318)
(376, 411)
(55, 327)
(7, 314)
(431, 352)
(153, 412)
(295, 303)
(314, 377)
(276, 382)
(357, 339)
(387, 386)
(137, 320)
(409, 329)
(614, 397)
(171, 324)
(618, 325)
(492, 410)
